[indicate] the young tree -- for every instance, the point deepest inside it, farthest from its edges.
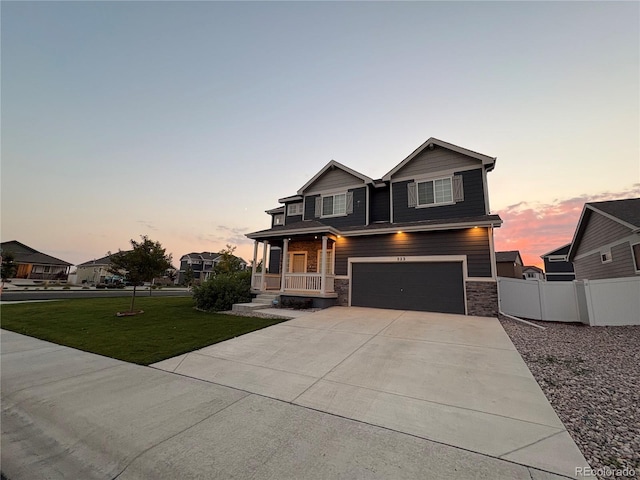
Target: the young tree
(9, 267)
(228, 262)
(188, 276)
(146, 259)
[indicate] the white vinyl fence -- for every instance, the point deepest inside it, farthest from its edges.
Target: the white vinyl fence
(613, 301)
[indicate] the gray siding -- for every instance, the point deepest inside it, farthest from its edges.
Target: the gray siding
(436, 160)
(380, 208)
(333, 180)
(471, 242)
(357, 218)
(592, 268)
(472, 205)
(600, 230)
(293, 219)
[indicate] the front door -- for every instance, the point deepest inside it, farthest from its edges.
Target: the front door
(298, 263)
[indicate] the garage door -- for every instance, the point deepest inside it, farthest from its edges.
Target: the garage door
(425, 286)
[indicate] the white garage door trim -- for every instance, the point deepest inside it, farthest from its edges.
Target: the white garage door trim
(414, 259)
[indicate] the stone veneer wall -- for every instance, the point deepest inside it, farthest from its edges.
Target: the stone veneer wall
(341, 287)
(482, 299)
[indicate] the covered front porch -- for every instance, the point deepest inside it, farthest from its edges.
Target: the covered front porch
(301, 265)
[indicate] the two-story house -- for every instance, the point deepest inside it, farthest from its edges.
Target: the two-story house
(606, 243)
(419, 238)
(201, 265)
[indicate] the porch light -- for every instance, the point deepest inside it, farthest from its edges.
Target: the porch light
(399, 231)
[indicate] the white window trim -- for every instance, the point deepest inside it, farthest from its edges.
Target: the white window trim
(298, 210)
(633, 256)
(605, 254)
(558, 258)
(434, 204)
(290, 263)
(332, 264)
(278, 216)
(322, 197)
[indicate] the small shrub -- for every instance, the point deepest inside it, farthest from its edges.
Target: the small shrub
(86, 288)
(221, 291)
(66, 287)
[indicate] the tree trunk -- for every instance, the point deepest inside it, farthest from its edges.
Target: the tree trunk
(133, 297)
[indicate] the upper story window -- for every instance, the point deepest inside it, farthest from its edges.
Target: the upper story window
(334, 205)
(294, 209)
(605, 257)
(435, 191)
(278, 219)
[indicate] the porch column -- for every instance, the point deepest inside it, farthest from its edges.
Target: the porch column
(285, 262)
(264, 265)
(323, 263)
(255, 260)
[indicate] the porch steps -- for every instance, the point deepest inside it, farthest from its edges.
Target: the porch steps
(262, 301)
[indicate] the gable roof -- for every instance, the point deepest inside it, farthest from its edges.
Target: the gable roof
(626, 212)
(563, 250)
(486, 160)
(508, 256)
(201, 255)
(25, 254)
(329, 166)
(532, 267)
(106, 260)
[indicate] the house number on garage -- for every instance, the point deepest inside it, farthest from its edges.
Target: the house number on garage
(401, 259)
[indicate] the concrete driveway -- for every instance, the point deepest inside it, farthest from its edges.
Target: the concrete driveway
(451, 379)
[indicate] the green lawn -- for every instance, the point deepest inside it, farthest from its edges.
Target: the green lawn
(168, 327)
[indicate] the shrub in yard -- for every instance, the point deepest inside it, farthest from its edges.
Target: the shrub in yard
(221, 291)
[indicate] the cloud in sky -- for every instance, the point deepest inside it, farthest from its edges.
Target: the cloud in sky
(536, 228)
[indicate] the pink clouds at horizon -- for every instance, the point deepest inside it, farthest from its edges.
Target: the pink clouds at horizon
(536, 228)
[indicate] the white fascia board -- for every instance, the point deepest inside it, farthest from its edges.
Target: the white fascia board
(485, 159)
(292, 198)
(421, 228)
(612, 217)
(286, 233)
(571, 252)
(555, 250)
(335, 164)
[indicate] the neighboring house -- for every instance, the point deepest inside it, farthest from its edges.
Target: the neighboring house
(419, 238)
(201, 265)
(93, 271)
(531, 272)
(509, 264)
(557, 267)
(35, 265)
(606, 243)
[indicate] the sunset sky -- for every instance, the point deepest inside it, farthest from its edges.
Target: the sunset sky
(185, 121)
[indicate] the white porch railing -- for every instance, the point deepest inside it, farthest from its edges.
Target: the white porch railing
(299, 282)
(271, 281)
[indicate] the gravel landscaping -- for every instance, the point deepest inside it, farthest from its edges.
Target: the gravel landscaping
(591, 376)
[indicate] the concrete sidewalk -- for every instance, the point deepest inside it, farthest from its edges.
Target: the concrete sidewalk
(72, 414)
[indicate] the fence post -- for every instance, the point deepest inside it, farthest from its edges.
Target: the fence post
(589, 301)
(542, 302)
